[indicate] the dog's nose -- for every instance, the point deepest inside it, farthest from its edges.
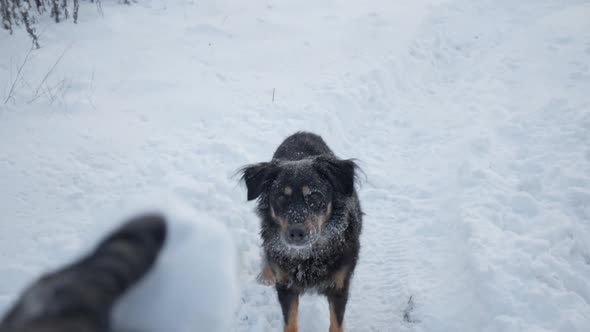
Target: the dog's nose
(296, 235)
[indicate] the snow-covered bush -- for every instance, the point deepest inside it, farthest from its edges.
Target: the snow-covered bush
(23, 13)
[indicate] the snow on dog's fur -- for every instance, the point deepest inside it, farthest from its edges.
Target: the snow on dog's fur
(311, 222)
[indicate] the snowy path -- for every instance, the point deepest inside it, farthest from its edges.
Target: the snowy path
(471, 120)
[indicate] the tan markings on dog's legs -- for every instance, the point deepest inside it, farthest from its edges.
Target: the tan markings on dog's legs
(279, 275)
(334, 326)
(288, 191)
(292, 319)
(266, 276)
(272, 275)
(340, 278)
(305, 190)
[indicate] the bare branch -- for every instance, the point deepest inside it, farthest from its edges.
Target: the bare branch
(91, 91)
(22, 13)
(49, 72)
(18, 76)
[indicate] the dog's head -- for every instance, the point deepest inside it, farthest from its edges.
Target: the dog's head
(301, 194)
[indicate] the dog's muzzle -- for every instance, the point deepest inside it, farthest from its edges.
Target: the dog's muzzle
(297, 235)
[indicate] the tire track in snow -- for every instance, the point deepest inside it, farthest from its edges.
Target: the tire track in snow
(408, 248)
(413, 243)
(378, 283)
(443, 271)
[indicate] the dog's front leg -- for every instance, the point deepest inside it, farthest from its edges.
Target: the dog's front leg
(289, 300)
(337, 299)
(266, 276)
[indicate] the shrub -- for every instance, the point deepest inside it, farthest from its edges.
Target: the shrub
(23, 13)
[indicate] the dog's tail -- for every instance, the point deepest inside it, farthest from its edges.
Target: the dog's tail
(80, 296)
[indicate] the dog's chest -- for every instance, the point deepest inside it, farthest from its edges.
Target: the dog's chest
(309, 273)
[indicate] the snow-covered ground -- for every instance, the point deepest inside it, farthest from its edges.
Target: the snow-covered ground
(471, 120)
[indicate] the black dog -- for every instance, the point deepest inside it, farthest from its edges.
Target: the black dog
(311, 222)
(79, 297)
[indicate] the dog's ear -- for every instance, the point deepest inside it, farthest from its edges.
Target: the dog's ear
(257, 177)
(340, 173)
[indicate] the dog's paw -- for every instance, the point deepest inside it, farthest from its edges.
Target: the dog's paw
(265, 281)
(266, 277)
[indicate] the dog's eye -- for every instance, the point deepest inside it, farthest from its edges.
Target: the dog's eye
(315, 200)
(282, 198)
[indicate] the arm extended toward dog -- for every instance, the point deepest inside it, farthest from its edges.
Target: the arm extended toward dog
(80, 296)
